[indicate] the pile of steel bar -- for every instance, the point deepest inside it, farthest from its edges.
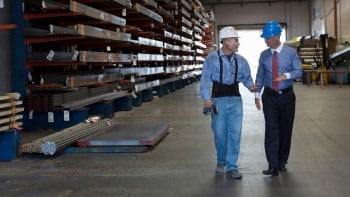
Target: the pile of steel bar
(9, 111)
(99, 90)
(147, 85)
(72, 80)
(51, 56)
(52, 102)
(95, 13)
(93, 56)
(85, 80)
(51, 144)
(148, 12)
(46, 101)
(90, 100)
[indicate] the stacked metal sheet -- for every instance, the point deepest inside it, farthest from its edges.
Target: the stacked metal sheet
(165, 13)
(91, 31)
(152, 3)
(51, 102)
(172, 57)
(186, 48)
(100, 90)
(147, 85)
(173, 69)
(200, 44)
(187, 40)
(187, 58)
(186, 21)
(95, 13)
(88, 80)
(91, 56)
(197, 29)
(102, 33)
(186, 4)
(148, 12)
(52, 56)
(94, 99)
(150, 42)
(43, 102)
(150, 57)
(47, 4)
(185, 12)
(168, 80)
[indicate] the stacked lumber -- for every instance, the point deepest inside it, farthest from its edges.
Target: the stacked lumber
(10, 109)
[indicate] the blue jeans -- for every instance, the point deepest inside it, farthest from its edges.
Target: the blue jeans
(227, 127)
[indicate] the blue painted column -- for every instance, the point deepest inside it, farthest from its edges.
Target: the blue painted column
(18, 51)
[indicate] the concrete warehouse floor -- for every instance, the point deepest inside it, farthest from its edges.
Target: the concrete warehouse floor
(183, 163)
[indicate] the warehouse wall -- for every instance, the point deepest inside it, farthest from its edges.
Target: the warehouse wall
(5, 44)
(343, 20)
(296, 16)
(317, 18)
(343, 15)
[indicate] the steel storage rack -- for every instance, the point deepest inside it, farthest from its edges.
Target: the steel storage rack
(10, 119)
(116, 52)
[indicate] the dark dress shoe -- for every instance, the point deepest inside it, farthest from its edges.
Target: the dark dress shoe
(271, 171)
(282, 168)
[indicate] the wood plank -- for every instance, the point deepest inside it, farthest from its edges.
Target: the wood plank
(10, 119)
(11, 111)
(10, 96)
(4, 105)
(7, 127)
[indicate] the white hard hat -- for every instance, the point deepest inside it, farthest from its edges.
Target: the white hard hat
(228, 32)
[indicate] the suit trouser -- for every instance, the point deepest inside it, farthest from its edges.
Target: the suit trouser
(279, 111)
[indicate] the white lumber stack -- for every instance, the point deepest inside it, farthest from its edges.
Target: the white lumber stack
(10, 109)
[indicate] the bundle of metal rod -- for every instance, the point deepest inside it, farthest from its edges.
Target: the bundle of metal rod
(48, 148)
(51, 144)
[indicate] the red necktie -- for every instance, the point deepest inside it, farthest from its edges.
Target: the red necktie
(275, 84)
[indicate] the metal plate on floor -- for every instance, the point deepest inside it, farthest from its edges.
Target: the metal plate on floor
(107, 149)
(127, 134)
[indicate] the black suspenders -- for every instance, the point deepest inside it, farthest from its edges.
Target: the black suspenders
(221, 68)
(220, 89)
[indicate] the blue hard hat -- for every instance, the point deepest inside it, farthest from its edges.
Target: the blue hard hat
(271, 29)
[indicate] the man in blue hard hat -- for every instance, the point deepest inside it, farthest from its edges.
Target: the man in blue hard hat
(279, 66)
(222, 72)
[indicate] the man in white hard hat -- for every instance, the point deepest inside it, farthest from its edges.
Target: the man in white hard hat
(222, 72)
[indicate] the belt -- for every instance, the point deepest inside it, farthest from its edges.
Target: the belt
(276, 92)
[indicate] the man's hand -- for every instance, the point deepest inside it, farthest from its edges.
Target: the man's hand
(281, 78)
(257, 103)
(208, 103)
(253, 88)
